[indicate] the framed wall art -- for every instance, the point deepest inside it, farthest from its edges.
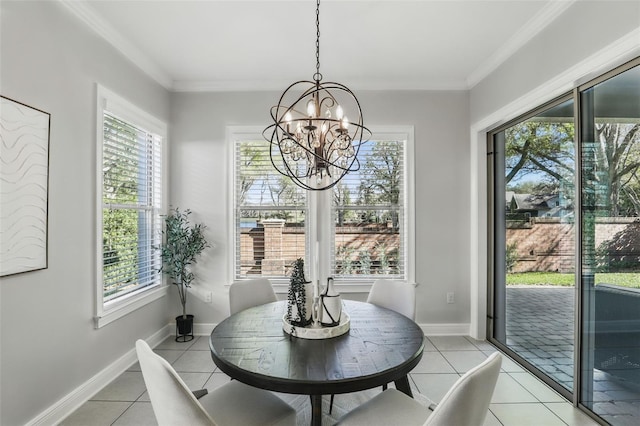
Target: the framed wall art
(24, 187)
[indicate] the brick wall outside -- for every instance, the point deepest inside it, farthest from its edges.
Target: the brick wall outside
(270, 249)
(542, 245)
(548, 245)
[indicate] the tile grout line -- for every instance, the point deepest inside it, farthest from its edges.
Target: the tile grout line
(554, 413)
(444, 357)
(459, 375)
(539, 402)
(122, 414)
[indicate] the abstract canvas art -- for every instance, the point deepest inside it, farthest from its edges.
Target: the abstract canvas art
(24, 187)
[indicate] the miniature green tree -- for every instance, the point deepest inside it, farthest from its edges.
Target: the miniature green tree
(297, 295)
(183, 243)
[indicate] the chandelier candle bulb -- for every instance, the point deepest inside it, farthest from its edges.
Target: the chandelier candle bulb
(287, 119)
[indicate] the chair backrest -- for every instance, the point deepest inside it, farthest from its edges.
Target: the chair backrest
(172, 401)
(250, 293)
(399, 296)
(467, 402)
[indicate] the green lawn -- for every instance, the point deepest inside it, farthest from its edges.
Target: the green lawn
(631, 279)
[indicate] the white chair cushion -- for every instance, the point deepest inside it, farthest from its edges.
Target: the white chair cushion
(250, 293)
(398, 296)
(232, 404)
(465, 404)
(235, 403)
(390, 407)
(172, 401)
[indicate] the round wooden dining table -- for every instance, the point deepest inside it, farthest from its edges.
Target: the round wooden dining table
(381, 346)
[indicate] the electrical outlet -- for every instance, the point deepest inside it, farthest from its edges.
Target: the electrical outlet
(451, 298)
(208, 296)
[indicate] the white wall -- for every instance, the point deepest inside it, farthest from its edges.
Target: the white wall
(582, 30)
(199, 182)
(48, 343)
(588, 39)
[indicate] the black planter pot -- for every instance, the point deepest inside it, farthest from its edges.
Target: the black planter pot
(184, 328)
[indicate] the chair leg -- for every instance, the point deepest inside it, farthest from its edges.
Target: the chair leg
(200, 393)
(384, 387)
(331, 403)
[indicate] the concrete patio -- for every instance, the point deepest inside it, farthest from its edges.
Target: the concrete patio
(540, 328)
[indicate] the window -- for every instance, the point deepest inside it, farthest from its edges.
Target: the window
(130, 204)
(269, 213)
(369, 214)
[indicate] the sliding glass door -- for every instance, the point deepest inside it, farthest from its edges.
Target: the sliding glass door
(534, 237)
(564, 267)
(610, 254)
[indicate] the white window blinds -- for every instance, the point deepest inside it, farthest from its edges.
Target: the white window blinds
(368, 215)
(131, 207)
(270, 215)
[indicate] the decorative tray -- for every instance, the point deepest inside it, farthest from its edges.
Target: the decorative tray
(317, 332)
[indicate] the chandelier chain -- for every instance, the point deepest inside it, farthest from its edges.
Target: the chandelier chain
(318, 76)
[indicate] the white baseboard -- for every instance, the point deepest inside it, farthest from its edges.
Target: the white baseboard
(446, 329)
(202, 329)
(73, 400)
(199, 328)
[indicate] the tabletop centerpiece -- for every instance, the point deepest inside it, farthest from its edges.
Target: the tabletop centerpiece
(300, 297)
(306, 308)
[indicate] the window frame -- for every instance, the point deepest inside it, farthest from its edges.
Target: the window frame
(356, 284)
(235, 134)
(111, 310)
(322, 216)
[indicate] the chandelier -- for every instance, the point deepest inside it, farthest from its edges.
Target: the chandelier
(312, 140)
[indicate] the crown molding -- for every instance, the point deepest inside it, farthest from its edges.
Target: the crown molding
(533, 27)
(277, 85)
(82, 11)
(625, 49)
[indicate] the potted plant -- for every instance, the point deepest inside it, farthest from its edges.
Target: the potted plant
(182, 244)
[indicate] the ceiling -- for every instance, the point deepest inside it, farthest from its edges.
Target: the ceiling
(213, 45)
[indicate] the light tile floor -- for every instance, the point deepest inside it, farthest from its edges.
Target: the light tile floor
(519, 399)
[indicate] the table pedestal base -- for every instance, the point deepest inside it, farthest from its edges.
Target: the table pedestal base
(316, 410)
(403, 386)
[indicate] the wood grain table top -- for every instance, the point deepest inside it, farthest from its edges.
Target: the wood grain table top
(381, 346)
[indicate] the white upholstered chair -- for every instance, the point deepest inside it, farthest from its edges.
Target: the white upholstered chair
(399, 296)
(250, 293)
(465, 404)
(232, 404)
